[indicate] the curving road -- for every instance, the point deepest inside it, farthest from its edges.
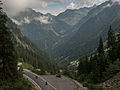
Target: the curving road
(54, 83)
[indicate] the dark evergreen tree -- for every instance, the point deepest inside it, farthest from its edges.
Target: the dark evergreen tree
(100, 47)
(81, 66)
(1, 65)
(118, 45)
(7, 52)
(86, 66)
(111, 45)
(95, 74)
(101, 60)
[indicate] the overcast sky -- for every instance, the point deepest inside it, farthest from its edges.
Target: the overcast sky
(47, 6)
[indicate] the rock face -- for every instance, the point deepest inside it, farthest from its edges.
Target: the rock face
(113, 83)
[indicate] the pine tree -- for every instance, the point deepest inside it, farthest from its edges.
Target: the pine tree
(101, 60)
(1, 65)
(81, 67)
(7, 52)
(100, 47)
(95, 71)
(111, 45)
(118, 45)
(86, 66)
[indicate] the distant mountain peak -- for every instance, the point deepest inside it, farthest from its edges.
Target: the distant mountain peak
(30, 15)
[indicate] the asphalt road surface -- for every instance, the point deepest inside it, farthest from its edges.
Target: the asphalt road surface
(53, 82)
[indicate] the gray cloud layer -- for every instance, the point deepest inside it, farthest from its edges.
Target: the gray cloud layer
(14, 6)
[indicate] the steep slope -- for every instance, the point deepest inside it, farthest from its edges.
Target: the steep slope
(85, 40)
(28, 52)
(93, 12)
(72, 17)
(44, 30)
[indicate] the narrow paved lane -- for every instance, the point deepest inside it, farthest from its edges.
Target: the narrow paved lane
(54, 83)
(39, 80)
(63, 83)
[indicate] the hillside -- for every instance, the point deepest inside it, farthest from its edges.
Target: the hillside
(48, 31)
(43, 29)
(28, 52)
(85, 40)
(72, 17)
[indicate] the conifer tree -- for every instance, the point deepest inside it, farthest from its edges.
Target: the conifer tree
(1, 65)
(101, 60)
(7, 51)
(95, 75)
(81, 67)
(118, 46)
(111, 38)
(86, 66)
(111, 45)
(100, 47)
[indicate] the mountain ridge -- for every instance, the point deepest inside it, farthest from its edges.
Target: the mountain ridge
(84, 42)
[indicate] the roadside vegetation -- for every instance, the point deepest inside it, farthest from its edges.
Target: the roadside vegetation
(18, 84)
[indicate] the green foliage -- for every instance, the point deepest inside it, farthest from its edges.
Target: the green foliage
(118, 45)
(27, 52)
(20, 84)
(27, 66)
(1, 65)
(112, 45)
(113, 69)
(7, 52)
(84, 66)
(92, 87)
(101, 66)
(100, 47)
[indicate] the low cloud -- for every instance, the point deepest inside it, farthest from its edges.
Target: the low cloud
(43, 19)
(71, 6)
(12, 7)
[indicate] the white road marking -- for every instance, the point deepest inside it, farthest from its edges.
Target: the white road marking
(32, 81)
(41, 78)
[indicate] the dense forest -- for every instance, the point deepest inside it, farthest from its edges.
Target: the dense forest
(101, 65)
(10, 78)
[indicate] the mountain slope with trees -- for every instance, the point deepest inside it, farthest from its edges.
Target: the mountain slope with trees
(103, 65)
(100, 70)
(85, 40)
(44, 30)
(27, 52)
(10, 78)
(72, 17)
(48, 31)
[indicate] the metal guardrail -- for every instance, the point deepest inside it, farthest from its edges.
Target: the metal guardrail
(40, 81)
(33, 82)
